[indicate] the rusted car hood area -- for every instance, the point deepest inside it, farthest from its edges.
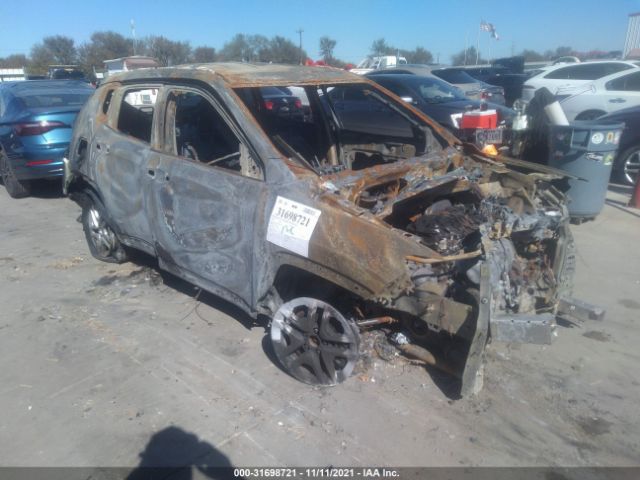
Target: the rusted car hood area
(383, 190)
(469, 248)
(463, 212)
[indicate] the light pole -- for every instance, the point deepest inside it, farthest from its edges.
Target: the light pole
(299, 32)
(133, 36)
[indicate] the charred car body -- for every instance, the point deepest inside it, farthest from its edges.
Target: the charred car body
(325, 230)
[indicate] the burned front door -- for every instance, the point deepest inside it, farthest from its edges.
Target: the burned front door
(205, 195)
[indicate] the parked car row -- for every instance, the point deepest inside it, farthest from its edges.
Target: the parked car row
(604, 91)
(36, 117)
(436, 98)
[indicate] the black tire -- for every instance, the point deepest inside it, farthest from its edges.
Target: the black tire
(590, 115)
(627, 165)
(101, 238)
(15, 188)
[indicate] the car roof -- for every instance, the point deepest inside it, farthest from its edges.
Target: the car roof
(43, 86)
(584, 64)
(409, 78)
(405, 69)
(613, 76)
(240, 74)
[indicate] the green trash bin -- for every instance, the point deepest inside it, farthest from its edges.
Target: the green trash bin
(585, 150)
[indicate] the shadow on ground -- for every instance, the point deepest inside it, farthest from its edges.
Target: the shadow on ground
(173, 454)
(46, 189)
(189, 289)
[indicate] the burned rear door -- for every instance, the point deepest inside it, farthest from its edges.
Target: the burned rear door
(206, 189)
(122, 150)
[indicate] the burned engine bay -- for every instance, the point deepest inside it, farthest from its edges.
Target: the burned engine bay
(501, 243)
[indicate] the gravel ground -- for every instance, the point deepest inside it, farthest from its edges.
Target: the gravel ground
(110, 364)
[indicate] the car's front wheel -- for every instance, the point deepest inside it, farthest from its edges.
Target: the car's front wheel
(15, 188)
(102, 240)
(313, 342)
(627, 166)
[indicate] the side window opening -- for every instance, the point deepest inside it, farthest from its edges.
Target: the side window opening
(136, 113)
(290, 116)
(82, 148)
(199, 133)
(630, 83)
(587, 71)
(339, 127)
(107, 102)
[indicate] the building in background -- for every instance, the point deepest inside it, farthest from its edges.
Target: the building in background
(125, 64)
(633, 34)
(11, 74)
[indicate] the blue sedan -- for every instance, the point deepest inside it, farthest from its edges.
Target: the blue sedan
(36, 121)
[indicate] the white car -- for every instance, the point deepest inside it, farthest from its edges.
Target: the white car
(606, 95)
(370, 64)
(572, 75)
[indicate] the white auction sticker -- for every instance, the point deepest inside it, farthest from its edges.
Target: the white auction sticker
(291, 225)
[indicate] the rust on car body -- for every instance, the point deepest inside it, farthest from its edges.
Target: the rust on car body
(324, 204)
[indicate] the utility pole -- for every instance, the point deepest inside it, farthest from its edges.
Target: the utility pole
(299, 32)
(133, 36)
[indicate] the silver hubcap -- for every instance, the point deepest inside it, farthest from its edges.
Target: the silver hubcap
(632, 166)
(102, 236)
(314, 342)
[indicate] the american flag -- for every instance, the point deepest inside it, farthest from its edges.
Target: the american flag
(488, 27)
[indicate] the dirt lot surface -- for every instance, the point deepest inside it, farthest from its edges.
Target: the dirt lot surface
(102, 363)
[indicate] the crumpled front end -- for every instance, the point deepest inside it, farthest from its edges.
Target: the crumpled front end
(501, 255)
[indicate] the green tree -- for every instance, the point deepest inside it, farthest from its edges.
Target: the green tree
(283, 50)
(258, 48)
(204, 54)
(381, 47)
(17, 60)
(563, 51)
(103, 46)
(467, 58)
(418, 55)
(54, 50)
(531, 56)
(326, 48)
(167, 52)
(238, 49)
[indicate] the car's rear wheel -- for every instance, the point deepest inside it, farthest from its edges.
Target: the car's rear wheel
(102, 240)
(627, 165)
(314, 342)
(15, 188)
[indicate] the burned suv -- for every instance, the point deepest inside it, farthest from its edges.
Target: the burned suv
(319, 222)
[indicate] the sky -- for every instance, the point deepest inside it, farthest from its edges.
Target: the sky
(441, 26)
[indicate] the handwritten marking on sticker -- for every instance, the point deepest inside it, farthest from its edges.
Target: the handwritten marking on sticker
(291, 225)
